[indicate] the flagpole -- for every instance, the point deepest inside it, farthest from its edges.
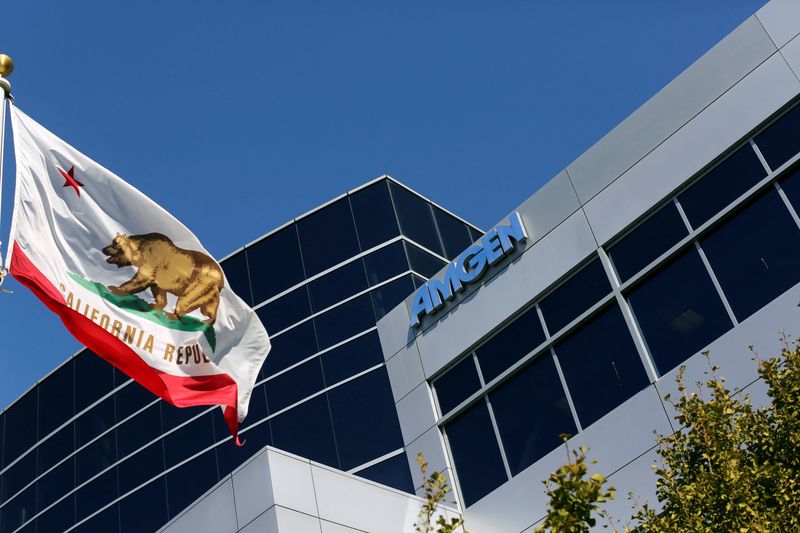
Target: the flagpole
(6, 68)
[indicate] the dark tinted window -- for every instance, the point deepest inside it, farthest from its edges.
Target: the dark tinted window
(56, 399)
(56, 448)
(601, 365)
(60, 517)
(649, 240)
(306, 431)
(335, 286)
(95, 421)
(94, 378)
(96, 457)
(374, 214)
(455, 234)
(290, 347)
(18, 475)
(55, 484)
(575, 296)
(20, 419)
(416, 219)
(755, 255)
(327, 237)
(286, 310)
(96, 494)
(726, 182)
(513, 342)
(141, 467)
(679, 311)
(229, 456)
(145, 509)
(531, 411)
(474, 234)
(275, 264)
(385, 263)
(189, 439)
(344, 321)
(130, 398)
(791, 186)
(294, 385)
(351, 414)
(475, 453)
(190, 481)
(422, 262)
(139, 430)
(18, 511)
(351, 358)
(172, 416)
(779, 142)
(235, 268)
(393, 472)
(106, 521)
(390, 295)
(457, 385)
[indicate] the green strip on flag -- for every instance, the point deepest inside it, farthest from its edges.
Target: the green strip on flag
(135, 305)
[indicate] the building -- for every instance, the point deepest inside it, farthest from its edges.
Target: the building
(89, 448)
(676, 233)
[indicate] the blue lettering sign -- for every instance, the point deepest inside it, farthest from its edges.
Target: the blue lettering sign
(468, 268)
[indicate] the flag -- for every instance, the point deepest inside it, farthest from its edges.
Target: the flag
(128, 280)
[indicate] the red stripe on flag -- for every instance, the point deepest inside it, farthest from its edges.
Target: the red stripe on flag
(180, 391)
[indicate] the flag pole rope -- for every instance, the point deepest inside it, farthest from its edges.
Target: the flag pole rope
(6, 67)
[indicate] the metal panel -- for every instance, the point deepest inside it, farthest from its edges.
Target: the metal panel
(791, 53)
(252, 489)
(431, 445)
(637, 477)
(330, 527)
(548, 207)
(405, 371)
(693, 147)
(394, 332)
(416, 413)
(694, 89)
(781, 19)
(291, 521)
(292, 485)
(526, 277)
(265, 523)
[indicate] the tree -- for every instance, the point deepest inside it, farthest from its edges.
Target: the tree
(436, 489)
(732, 467)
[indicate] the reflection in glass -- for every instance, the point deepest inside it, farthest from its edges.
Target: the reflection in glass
(455, 235)
(422, 262)
(385, 263)
(374, 215)
(457, 384)
(416, 219)
(392, 472)
(388, 296)
(575, 296)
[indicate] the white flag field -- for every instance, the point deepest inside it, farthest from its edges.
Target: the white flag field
(128, 280)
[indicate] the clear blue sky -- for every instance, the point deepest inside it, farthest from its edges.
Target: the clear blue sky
(238, 116)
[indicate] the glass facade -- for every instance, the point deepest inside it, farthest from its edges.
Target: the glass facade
(87, 449)
(705, 260)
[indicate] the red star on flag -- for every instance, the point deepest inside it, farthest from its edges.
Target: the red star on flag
(70, 179)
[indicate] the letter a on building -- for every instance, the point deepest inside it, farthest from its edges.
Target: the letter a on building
(128, 280)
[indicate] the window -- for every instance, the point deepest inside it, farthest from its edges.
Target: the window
(96, 457)
(21, 420)
(229, 457)
(18, 475)
(286, 310)
(189, 439)
(56, 399)
(327, 237)
(387, 297)
(95, 421)
(18, 511)
(55, 484)
(141, 467)
(275, 264)
(60, 517)
(601, 365)
(791, 186)
(756, 254)
(344, 321)
(374, 215)
(145, 509)
(94, 378)
(531, 411)
(107, 521)
(294, 385)
(457, 384)
(235, 268)
(455, 235)
(726, 182)
(416, 219)
(306, 431)
(779, 143)
(475, 453)
(510, 345)
(575, 296)
(393, 472)
(172, 416)
(678, 310)
(422, 262)
(56, 448)
(385, 263)
(365, 402)
(338, 285)
(351, 358)
(96, 494)
(649, 240)
(290, 347)
(190, 481)
(130, 399)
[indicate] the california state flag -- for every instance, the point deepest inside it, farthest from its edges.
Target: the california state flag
(128, 280)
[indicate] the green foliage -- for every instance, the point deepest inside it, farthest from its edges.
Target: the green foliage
(733, 467)
(574, 495)
(436, 489)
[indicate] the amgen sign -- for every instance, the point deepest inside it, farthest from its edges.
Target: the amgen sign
(468, 268)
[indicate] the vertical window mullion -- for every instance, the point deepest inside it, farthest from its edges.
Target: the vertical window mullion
(497, 436)
(787, 203)
(566, 390)
(760, 156)
(716, 283)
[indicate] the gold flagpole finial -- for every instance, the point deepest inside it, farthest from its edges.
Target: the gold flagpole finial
(6, 66)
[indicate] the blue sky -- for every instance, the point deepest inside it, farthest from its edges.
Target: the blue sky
(238, 116)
